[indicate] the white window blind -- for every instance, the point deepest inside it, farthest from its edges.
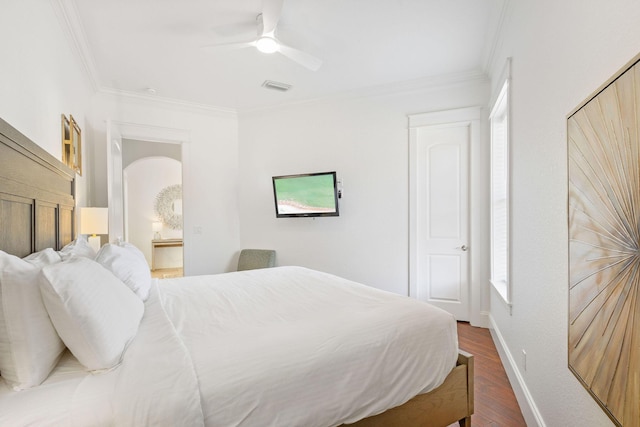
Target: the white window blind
(499, 119)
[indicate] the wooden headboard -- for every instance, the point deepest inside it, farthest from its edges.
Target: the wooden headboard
(37, 196)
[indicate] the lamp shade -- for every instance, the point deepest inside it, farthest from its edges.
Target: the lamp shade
(94, 220)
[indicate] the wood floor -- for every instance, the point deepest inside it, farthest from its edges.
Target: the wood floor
(495, 403)
(166, 273)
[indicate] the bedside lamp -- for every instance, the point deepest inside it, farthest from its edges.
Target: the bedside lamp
(156, 226)
(94, 221)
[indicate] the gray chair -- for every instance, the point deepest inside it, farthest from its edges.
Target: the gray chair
(256, 258)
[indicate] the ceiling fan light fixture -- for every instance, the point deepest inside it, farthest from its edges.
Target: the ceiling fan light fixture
(267, 44)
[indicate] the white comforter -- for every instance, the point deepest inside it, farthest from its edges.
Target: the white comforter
(285, 346)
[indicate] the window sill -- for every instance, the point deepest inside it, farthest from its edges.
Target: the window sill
(502, 288)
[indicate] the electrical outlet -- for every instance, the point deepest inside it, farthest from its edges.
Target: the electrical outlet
(524, 359)
(197, 229)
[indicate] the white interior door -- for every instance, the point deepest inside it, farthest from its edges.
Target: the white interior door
(440, 216)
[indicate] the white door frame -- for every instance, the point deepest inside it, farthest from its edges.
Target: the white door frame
(116, 132)
(478, 190)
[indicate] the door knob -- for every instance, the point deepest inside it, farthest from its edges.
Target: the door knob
(464, 248)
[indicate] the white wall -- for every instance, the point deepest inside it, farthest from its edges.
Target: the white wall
(41, 78)
(143, 180)
(365, 139)
(562, 51)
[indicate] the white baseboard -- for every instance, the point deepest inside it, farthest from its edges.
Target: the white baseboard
(481, 320)
(530, 412)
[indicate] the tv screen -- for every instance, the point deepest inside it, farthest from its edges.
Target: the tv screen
(305, 195)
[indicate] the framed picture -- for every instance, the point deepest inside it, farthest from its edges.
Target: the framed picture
(71, 144)
(603, 136)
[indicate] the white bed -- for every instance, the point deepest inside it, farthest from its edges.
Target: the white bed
(273, 347)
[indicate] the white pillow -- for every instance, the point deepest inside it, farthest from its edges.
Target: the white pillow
(128, 264)
(79, 247)
(29, 345)
(44, 257)
(95, 314)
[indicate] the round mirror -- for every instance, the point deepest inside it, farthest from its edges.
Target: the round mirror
(168, 206)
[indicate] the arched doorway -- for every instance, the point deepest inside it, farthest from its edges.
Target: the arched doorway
(153, 211)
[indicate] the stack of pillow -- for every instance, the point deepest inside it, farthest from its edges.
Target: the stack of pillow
(91, 303)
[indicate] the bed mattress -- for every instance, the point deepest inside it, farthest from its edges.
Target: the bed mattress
(281, 346)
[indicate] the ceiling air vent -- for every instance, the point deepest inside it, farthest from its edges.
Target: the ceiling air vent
(270, 84)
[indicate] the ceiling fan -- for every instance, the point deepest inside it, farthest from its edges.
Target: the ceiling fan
(267, 42)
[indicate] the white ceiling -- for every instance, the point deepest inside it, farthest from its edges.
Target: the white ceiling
(132, 45)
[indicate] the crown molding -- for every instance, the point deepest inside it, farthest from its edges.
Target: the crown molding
(421, 85)
(169, 102)
(71, 25)
(495, 38)
(425, 84)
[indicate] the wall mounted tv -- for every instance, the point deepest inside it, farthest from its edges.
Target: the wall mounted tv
(306, 195)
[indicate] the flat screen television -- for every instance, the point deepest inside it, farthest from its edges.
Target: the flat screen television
(306, 195)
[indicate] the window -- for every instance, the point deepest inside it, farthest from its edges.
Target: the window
(499, 122)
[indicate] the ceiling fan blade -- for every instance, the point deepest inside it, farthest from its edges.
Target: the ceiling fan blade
(225, 47)
(271, 10)
(305, 59)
